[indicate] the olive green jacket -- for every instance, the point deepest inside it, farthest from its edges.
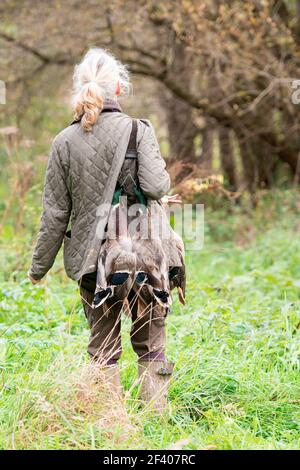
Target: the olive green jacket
(81, 177)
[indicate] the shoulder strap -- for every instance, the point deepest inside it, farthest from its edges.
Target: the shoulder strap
(132, 147)
(132, 176)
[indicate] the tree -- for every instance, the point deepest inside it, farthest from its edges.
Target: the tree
(231, 63)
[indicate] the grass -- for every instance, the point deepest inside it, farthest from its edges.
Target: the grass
(236, 345)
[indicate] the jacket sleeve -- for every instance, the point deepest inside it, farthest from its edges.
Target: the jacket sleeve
(153, 177)
(55, 216)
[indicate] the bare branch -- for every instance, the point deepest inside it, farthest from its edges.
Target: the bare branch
(35, 52)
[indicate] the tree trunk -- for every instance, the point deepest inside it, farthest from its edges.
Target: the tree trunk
(227, 158)
(298, 18)
(264, 161)
(250, 172)
(181, 128)
(206, 158)
(258, 162)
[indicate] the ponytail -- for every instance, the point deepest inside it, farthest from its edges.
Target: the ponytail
(95, 79)
(89, 105)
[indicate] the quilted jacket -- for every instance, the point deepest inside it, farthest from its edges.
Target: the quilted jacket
(81, 177)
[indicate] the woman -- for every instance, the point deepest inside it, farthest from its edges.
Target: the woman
(84, 166)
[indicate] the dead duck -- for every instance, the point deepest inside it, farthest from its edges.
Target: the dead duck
(116, 262)
(174, 247)
(151, 278)
(177, 273)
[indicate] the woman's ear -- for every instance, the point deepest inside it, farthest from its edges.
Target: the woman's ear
(118, 89)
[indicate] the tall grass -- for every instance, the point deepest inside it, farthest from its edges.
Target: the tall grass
(236, 345)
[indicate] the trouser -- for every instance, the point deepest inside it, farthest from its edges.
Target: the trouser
(147, 331)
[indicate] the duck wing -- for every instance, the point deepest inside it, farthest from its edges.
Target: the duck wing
(151, 281)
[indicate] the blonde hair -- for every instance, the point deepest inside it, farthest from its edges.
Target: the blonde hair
(95, 79)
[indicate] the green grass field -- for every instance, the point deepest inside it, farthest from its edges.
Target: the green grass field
(236, 345)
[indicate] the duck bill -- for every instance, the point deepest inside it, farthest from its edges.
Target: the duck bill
(162, 297)
(181, 296)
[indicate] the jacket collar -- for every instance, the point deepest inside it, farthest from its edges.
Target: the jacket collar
(109, 106)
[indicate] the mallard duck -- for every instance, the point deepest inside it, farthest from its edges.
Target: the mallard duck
(174, 247)
(151, 278)
(152, 272)
(117, 262)
(177, 276)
